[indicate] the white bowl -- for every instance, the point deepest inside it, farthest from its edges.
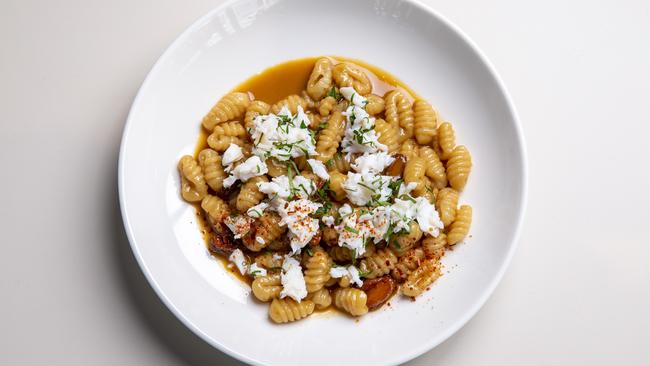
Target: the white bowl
(243, 37)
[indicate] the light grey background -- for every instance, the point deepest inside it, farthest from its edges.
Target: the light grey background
(578, 289)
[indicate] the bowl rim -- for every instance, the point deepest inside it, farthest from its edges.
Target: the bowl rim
(425, 346)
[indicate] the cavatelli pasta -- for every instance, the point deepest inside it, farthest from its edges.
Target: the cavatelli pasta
(221, 143)
(408, 240)
(250, 195)
(336, 191)
(326, 105)
(339, 163)
(351, 300)
(256, 108)
(407, 263)
(375, 104)
(291, 102)
(446, 204)
(434, 247)
(275, 168)
(421, 278)
(231, 106)
(388, 135)
(216, 210)
(269, 260)
(428, 191)
(460, 227)
(317, 270)
(320, 80)
(446, 140)
(193, 186)
(435, 169)
(398, 111)
(210, 162)
(346, 74)
(414, 172)
(409, 149)
(330, 237)
(425, 122)
(330, 137)
(267, 288)
(459, 166)
(341, 254)
(232, 128)
(379, 264)
(267, 230)
(288, 310)
(321, 298)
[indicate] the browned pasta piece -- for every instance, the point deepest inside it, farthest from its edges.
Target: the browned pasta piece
(320, 80)
(434, 247)
(446, 203)
(346, 74)
(231, 106)
(388, 135)
(425, 122)
(459, 166)
(288, 310)
(270, 261)
(210, 162)
(435, 168)
(446, 140)
(421, 278)
(351, 300)
(266, 230)
(250, 195)
(276, 168)
(291, 102)
(398, 111)
(330, 137)
(407, 263)
(193, 186)
(405, 242)
(267, 288)
(256, 108)
(216, 211)
(460, 227)
(340, 254)
(379, 264)
(375, 104)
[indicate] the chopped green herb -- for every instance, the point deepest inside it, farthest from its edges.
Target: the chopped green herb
(352, 230)
(310, 252)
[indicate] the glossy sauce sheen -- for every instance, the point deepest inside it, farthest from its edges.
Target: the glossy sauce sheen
(276, 83)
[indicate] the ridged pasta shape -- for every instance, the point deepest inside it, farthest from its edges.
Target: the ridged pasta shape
(320, 79)
(267, 288)
(321, 298)
(210, 162)
(269, 260)
(351, 300)
(434, 247)
(409, 149)
(256, 108)
(339, 164)
(446, 140)
(428, 190)
(330, 137)
(375, 104)
(268, 227)
(326, 106)
(193, 186)
(388, 135)
(221, 143)
(314, 120)
(459, 166)
(414, 171)
(301, 162)
(250, 195)
(292, 102)
(216, 209)
(378, 264)
(398, 111)
(340, 254)
(425, 122)
(460, 227)
(275, 168)
(421, 277)
(330, 237)
(287, 310)
(336, 191)
(311, 103)
(232, 128)
(435, 169)
(346, 74)
(317, 270)
(407, 241)
(407, 263)
(231, 106)
(446, 204)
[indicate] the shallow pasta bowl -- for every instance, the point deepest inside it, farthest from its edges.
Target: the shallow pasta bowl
(243, 37)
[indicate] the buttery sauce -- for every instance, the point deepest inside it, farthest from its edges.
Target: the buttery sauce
(276, 83)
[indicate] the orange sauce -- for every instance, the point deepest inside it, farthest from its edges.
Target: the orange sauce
(276, 83)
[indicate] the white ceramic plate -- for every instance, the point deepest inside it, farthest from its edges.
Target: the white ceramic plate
(243, 37)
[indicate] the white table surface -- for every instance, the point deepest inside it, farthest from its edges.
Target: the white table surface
(577, 291)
